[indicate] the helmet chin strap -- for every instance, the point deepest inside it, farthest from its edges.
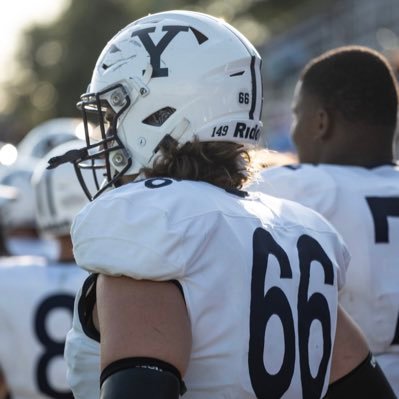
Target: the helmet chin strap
(70, 156)
(180, 129)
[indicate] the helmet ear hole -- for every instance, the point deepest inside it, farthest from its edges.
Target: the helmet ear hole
(159, 117)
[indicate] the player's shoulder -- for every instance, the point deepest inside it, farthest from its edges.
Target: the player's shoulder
(390, 171)
(310, 185)
(150, 189)
(157, 187)
(354, 179)
(292, 213)
(143, 222)
(149, 198)
(303, 171)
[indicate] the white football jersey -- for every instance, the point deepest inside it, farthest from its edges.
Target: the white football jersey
(363, 205)
(36, 306)
(258, 275)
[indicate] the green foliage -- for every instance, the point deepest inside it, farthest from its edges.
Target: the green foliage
(56, 60)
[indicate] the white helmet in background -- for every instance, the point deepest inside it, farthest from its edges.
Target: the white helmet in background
(47, 135)
(59, 196)
(7, 194)
(19, 213)
(178, 73)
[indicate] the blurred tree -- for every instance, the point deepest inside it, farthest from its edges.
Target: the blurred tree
(56, 60)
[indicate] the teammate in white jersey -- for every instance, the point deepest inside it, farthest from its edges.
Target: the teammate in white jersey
(193, 279)
(21, 233)
(37, 298)
(345, 111)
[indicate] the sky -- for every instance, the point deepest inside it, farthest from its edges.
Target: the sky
(15, 17)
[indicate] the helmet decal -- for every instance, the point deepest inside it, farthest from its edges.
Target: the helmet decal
(155, 51)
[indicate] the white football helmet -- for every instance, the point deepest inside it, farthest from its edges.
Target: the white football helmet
(59, 196)
(47, 135)
(178, 73)
(19, 213)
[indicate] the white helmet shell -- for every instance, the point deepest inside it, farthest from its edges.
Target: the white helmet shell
(59, 196)
(178, 73)
(19, 213)
(47, 135)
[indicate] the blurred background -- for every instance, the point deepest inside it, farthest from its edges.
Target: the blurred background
(48, 49)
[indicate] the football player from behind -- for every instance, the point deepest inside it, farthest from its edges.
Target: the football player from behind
(36, 304)
(193, 279)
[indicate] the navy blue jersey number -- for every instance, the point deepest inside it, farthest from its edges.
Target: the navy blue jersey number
(51, 347)
(381, 208)
(157, 182)
(274, 302)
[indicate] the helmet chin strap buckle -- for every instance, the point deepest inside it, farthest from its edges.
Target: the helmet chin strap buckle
(180, 129)
(176, 133)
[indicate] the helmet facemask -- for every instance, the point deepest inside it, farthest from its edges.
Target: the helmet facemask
(105, 150)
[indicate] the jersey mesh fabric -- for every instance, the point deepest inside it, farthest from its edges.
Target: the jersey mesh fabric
(205, 238)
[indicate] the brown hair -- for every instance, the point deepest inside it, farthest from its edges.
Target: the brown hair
(223, 164)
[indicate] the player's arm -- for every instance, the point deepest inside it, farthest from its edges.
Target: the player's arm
(354, 372)
(145, 338)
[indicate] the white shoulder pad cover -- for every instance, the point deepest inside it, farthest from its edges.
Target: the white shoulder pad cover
(127, 231)
(307, 184)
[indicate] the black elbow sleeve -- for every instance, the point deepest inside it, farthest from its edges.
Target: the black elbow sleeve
(367, 381)
(140, 378)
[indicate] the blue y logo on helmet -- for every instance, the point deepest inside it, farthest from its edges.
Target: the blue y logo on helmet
(155, 51)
